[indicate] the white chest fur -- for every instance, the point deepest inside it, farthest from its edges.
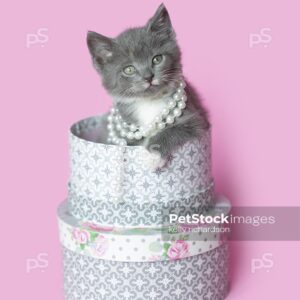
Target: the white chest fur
(147, 110)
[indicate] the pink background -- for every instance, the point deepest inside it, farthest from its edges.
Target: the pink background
(252, 93)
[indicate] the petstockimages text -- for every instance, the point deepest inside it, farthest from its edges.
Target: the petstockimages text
(221, 219)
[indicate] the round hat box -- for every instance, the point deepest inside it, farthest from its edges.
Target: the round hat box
(114, 224)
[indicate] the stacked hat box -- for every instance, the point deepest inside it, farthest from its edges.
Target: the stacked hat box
(114, 226)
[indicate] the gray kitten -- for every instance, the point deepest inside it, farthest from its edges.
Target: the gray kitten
(140, 87)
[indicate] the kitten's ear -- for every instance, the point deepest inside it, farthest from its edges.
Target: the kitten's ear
(100, 46)
(161, 22)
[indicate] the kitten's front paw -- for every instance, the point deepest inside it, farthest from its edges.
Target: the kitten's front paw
(153, 160)
(157, 161)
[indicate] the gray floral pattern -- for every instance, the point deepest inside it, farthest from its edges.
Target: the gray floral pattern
(201, 277)
(113, 173)
(137, 214)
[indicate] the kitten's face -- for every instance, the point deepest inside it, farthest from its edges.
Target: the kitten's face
(141, 62)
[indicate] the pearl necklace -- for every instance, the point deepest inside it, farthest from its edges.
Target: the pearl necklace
(119, 131)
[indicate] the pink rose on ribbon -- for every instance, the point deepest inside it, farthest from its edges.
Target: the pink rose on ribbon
(100, 245)
(81, 236)
(178, 249)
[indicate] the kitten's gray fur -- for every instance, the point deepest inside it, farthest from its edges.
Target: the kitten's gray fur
(137, 47)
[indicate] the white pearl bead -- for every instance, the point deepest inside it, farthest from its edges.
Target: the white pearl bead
(170, 119)
(151, 126)
(119, 126)
(123, 133)
(182, 84)
(177, 112)
(110, 126)
(110, 118)
(165, 111)
(133, 127)
(157, 119)
(137, 135)
(181, 105)
(111, 134)
(176, 97)
(109, 140)
(124, 124)
(180, 91)
(130, 135)
(145, 133)
(114, 140)
(161, 125)
(122, 142)
(142, 131)
(113, 110)
(172, 103)
(184, 98)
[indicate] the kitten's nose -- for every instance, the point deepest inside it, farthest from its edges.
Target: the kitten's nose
(149, 78)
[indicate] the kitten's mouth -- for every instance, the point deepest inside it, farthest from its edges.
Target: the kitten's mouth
(153, 89)
(152, 86)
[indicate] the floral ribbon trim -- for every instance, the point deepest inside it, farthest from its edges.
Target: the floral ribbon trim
(134, 245)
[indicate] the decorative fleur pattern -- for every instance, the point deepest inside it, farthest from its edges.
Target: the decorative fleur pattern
(107, 212)
(88, 278)
(114, 173)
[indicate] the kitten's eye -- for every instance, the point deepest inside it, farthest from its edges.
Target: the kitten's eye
(129, 70)
(157, 59)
